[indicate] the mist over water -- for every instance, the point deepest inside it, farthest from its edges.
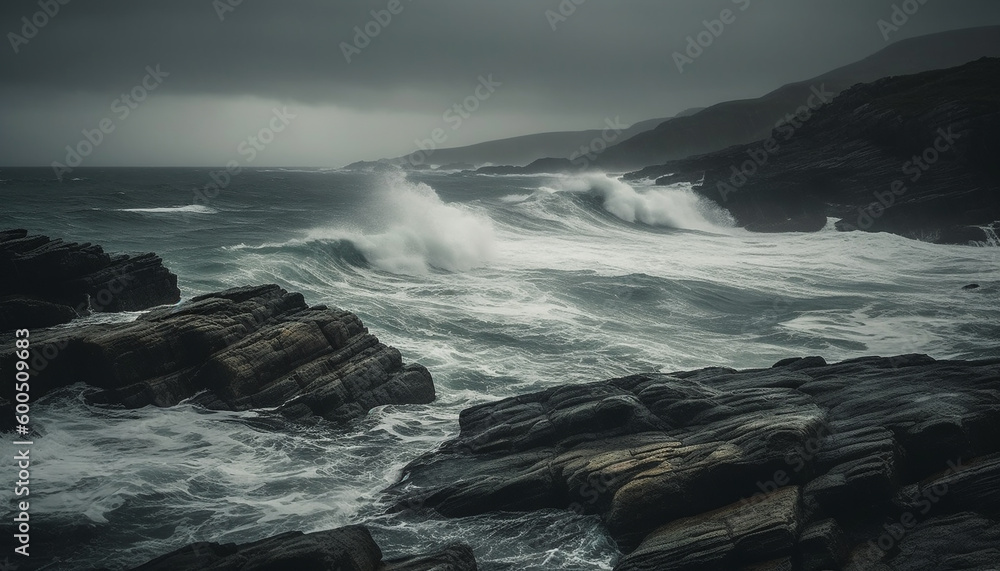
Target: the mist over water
(499, 285)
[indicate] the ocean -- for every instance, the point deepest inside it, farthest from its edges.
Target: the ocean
(500, 285)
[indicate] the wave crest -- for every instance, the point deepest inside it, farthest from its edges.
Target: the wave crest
(421, 232)
(672, 207)
(189, 209)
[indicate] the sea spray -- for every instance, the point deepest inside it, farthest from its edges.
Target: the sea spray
(417, 231)
(672, 207)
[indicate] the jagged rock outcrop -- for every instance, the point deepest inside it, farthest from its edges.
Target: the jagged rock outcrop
(911, 155)
(805, 465)
(344, 549)
(245, 348)
(45, 281)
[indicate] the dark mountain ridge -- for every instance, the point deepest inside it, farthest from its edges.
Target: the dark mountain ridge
(912, 155)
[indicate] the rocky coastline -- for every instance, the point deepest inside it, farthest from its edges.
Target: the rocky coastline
(872, 463)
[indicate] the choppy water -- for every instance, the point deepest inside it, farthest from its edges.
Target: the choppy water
(499, 285)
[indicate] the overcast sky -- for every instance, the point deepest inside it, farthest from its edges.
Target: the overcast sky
(230, 67)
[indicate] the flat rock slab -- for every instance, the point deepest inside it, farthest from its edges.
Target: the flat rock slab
(245, 348)
(796, 466)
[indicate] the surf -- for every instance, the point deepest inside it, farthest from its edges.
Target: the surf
(412, 231)
(675, 207)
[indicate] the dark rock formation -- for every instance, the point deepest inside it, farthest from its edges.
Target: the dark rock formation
(873, 463)
(244, 348)
(458, 557)
(45, 282)
(911, 155)
(345, 549)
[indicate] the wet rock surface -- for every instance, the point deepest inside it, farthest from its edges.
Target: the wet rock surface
(45, 281)
(344, 549)
(245, 348)
(870, 463)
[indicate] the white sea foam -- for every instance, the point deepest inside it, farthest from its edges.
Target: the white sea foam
(418, 231)
(190, 209)
(515, 198)
(673, 207)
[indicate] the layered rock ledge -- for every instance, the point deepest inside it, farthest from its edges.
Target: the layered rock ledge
(245, 348)
(45, 281)
(345, 549)
(873, 463)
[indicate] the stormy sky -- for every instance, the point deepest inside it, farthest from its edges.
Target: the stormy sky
(225, 66)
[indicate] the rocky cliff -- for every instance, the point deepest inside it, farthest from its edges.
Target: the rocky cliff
(912, 155)
(874, 463)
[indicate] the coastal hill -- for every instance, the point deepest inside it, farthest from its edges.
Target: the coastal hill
(700, 131)
(740, 122)
(518, 150)
(912, 155)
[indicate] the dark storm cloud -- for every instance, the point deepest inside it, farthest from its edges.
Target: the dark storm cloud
(603, 57)
(603, 51)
